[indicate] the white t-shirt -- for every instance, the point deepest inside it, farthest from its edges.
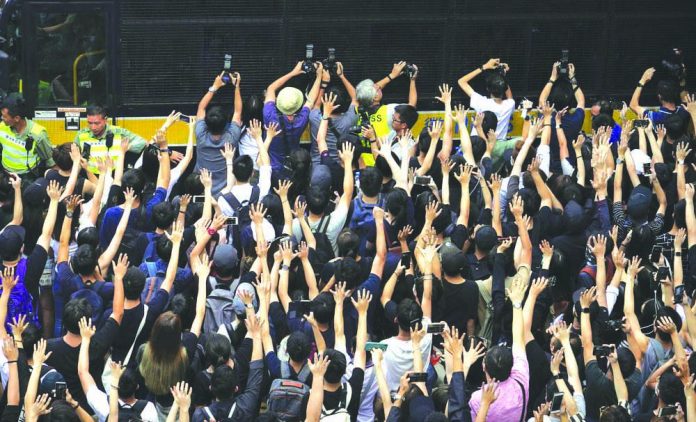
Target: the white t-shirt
(99, 402)
(502, 110)
(248, 146)
(243, 192)
(398, 358)
(334, 227)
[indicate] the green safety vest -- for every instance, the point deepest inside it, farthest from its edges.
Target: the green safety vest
(98, 146)
(15, 157)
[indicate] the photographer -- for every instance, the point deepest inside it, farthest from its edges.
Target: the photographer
(341, 120)
(559, 91)
(500, 101)
(25, 144)
(669, 95)
(383, 116)
(288, 111)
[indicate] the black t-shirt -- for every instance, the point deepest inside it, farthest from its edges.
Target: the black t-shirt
(539, 373)
(53, 174)
(459, 303)
(64, 359)
(333, 398)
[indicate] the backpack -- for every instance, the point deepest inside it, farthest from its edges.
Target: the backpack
(288, 399)
(21, 302)
(241, 211)
(153, 282)
(227, 418)
(362, 222)
(128, 413)
(91, 294)
(219, 308)
(324, 250)
(151, 249)
(340, 413)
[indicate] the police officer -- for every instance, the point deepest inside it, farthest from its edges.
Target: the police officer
(104, 139)
(25, 145)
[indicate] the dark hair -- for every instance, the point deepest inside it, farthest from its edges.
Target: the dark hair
(348, 271)
(561, 95)
(88, 236)
(133, 283)
(127, 384)
(17, 107)
(61, 156)
(300, 165)
(348, 243)
(31, 335)
(407, 114)
(408, 313)
(496, 85)
(668, 91)
(96, 110)
(602, 120)
(382, 165)
(298, 346)
(274, 208)
(604, 107)
(163, 247)
(342, 99)
(192, 184)
(182, 306)
(490, 122)
(134, 179)
(163, 215)
(615, 413)
(61, 411)
(74, 311)
(317, 199)
(370, 181)
(670, 389)
(223, 383)
(498, 361)
(675, 126)
(252, 109)
(85, 260)
(323, 307)
(218, 350)
(641, 242)
(396, 204)
(215, 119)
(243, 168)
(478, 146)
(337, 366)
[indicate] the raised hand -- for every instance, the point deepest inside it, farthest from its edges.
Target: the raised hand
(435, 129)
(517, 206)
(404, 233)
(329, 104)
(54, 190)
(9, 280)
(87, 330)
(489, 392)
(283, 188)
(464, 175)
(473, 354)
(206, 179)
(598, 245)
(588, 296)
(228, 152)
(546, 249)
(319, 366)
(40, 356)
(339, 292)
(257, 212)
(445, 94)
(121, 266)
(18, 326)
(364, 298)
(182, 394)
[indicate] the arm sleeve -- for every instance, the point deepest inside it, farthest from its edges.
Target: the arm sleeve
(264, 180)
(101, 342)
(247, 402)
(137, 142)
(612, 297)
(544, 153)
(157, 198)
(44, 149)
(273, 364)
(567, 167)
(35, 268)
(458, 403)
(618, 214)
(657, 223)
(98, 401)
(394, 414)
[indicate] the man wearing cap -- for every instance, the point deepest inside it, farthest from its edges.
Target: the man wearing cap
(214, 131)
(290, 111)
(25, 144)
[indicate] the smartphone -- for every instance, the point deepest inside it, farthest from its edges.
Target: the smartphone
(679, 294)
(198, 199)
(423, 180)
(371, 345)
(232, 220)
(417, 377)
(556, 403)
(435, 328)
(667, 411)
(184, 118)
(646, 168)
(86, 150)
(60, 389)
(603, 350)
(662, 273)
(640, 123)
(655, 254)
(406, 259)
(300, 307)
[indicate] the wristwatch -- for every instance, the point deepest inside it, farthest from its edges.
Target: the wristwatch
(517, 305)
(212, 89)
(585, 310)
(211, 231)
(69, 214)
(249, 305)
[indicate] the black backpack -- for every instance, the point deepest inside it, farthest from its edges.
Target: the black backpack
(241, 211)
(131, 413)
(324, 251)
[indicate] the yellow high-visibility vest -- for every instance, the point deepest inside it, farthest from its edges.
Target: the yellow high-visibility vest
(379, 121)
(15, 157)
(98, 146)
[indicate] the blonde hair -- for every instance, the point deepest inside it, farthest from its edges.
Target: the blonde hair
(160, 375)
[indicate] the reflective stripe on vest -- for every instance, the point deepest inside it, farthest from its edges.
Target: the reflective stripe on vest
(14, 154)
(98, 147)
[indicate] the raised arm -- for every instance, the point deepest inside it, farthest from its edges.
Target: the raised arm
(238, 104)
(108, 255)
(104, 172)
(516, 294)
(275, 86)
(316, 394)
(537, 287)
(54, 193)
(164, 172)
(434, 131)
(631, 318)
(388, 290)
(635, 99)
(464, 202)
(464, 80)
(381, 243)
(87, 330)
(397, 70)
(428, 254)
(361, 305)
(350, 89)
(346, 156)
(173, 265)
(339, 295)
(598, 245)
(307, 233)
(308, 270)
(517, 207)
(690, 217)
(202, 273)
(316, 86)
(282, 191)
(546, 91)
(412, 92)
(562, 333)
(283, 295)
(497, 223)
(17, 207)
(208, 97)
(446, 98)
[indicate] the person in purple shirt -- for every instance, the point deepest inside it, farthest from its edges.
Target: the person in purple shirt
(289, 112)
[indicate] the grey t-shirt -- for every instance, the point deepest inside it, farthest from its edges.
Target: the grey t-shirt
(208, 154)
(341, 124)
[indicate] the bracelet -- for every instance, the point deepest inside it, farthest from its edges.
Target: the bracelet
(640, 85)
(677, 254)
(78, 404)
(576, 87)
(551, 81)
(373, 141)
(482, 69)
(325, 118)
(284, 268)
(546, 124)
(114, 387)
(324, 84)
(389, 77)
(11, 361)
(557, 376)
(182, 211)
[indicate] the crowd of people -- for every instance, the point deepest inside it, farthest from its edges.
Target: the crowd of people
(371, 274)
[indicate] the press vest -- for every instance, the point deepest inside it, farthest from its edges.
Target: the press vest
(98, 146)
(382, 127)
(15, 157)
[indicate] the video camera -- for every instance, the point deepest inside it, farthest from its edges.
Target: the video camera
(674, 63)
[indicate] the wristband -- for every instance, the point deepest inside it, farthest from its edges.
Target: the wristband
(78, 404)
(182, 211)
(482, 69)
(373, 141)
(114, 386)
(677, 254)
(211, 231)
(325, 118)
(11, 361)
(576, 87)
(324, 153)
(619, 161)
(585, 310)
(546, 124)
(551, 81)
(324, 84)
(640, 85)
(390, 78)
(164, 150)
(557, 376)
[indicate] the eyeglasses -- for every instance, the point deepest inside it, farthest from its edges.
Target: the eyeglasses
(395, 120)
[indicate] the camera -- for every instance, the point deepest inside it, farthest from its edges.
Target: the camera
(226, 69)
(603, 350)
(564, 61)
(674, 63)
(308, 64)
(411, 70)
(329, 63)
